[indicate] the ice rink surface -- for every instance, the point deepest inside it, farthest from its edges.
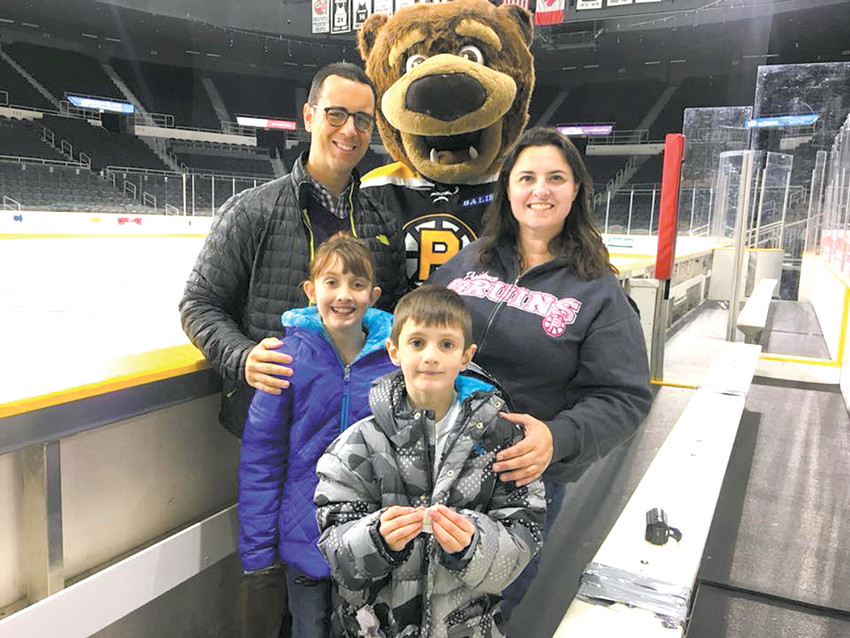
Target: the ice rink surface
(78, 302)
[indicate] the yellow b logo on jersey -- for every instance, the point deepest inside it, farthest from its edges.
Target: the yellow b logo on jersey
(432, 240)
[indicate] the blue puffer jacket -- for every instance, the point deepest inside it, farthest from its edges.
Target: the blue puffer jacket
(286, 434)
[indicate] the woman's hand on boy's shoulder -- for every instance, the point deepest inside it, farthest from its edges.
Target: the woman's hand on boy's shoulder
(527, 459)
(265, 369)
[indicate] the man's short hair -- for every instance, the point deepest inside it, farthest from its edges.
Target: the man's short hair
(345, 70)
(433, 305)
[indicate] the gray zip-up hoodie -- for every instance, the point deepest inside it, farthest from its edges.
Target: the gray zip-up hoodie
(569, 351)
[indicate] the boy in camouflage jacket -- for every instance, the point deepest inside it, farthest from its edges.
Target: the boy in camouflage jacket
(420, 533)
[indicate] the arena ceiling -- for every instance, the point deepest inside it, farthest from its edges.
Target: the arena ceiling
(272, 37)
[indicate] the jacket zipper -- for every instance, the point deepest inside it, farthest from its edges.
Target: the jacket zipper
(461, 417)
(309, 232)
(499, 305)
(351, 210)
(495, 310)
(346, 378)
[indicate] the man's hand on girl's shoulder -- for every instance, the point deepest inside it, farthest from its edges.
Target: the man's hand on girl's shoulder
(265, 367)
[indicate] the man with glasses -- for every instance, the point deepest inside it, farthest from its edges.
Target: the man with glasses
(257, 253)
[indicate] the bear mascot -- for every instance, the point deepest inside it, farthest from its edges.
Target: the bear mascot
(454, 83)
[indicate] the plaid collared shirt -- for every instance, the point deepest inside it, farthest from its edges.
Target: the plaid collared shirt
(339, 206)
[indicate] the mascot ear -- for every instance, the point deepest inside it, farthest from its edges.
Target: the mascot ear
(522, 17)
(369, 32)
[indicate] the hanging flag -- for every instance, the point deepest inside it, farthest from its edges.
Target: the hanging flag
(549, 12)
(340, 16)
(382, 6)
(321, 20)
(362, 9)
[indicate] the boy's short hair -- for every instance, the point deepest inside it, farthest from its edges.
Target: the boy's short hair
(353, 253)
(433, 305)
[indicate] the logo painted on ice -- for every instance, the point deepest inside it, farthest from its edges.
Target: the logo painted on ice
(557, 313)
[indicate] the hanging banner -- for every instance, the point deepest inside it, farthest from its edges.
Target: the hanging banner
(588, 4)
(618, 3)
(549, 12)
(403, 3)
(362, 10)
(340, 16)
(382, 6)
(321, 22)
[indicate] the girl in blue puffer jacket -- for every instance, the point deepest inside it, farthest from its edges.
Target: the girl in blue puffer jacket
(339, 346)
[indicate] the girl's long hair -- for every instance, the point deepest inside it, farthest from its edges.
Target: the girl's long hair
(579, 241)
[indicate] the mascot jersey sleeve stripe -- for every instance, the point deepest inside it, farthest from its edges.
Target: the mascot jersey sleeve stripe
(568, 351)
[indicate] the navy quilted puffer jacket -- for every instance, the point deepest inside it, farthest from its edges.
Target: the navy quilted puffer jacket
(286, 434)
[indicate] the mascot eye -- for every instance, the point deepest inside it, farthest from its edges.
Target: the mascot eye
(414, 60)
(472, 53)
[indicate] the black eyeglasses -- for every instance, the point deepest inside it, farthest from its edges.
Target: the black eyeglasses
(337, 116)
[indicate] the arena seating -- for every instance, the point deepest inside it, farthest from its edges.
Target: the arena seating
(650, 171)
(171, 90)
(39, 187)
(267, 97)
(67, 72)
(623, 103)
(239, 163)
(104, 148)
(22, 138)
(21, 92)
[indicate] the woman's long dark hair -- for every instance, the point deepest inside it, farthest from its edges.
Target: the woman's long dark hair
(579, 241)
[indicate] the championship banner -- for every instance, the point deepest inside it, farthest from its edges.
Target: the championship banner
(618, 3)
(403, 3)
(340, 16)
(362, 10)
(549, 12)
(382, 6)
(588, 4)
(320, 18)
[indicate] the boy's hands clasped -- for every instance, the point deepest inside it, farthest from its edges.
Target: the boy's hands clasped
(400, 525)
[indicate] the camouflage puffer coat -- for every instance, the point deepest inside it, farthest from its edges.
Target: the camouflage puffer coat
(385, 460)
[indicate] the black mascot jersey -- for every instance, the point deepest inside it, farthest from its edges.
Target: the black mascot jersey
(437, 219)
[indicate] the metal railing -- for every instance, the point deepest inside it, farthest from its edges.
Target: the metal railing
(20, 159)
(11, 204)
(186, 193)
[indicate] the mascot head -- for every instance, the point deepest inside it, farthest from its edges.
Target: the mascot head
(454, 82)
